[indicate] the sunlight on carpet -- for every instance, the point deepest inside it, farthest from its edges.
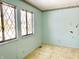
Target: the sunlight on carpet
(54, 52)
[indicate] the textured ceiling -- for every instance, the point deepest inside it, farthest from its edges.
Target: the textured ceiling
(53, 4)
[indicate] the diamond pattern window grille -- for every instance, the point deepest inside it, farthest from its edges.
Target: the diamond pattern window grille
(8, 23)
(23, 23)
(26, 22)
(30, 22)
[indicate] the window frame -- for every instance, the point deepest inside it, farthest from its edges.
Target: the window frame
(2, 20)
(27, 23)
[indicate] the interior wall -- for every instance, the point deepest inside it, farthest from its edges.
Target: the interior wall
(61, 27)
(20, 47)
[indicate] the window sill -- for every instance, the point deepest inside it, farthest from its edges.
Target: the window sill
(28, 35)
(7, 42)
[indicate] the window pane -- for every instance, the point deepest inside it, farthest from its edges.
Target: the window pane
(23, 22)
(0, 27)
(9, 22)
(29, 22)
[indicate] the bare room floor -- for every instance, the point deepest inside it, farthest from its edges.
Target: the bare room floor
(54, 52)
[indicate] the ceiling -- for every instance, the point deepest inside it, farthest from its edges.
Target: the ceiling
(52, 4)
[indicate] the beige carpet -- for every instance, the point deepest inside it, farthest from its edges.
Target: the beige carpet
(54, 52)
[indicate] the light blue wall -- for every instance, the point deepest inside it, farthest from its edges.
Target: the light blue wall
(56, 27)
(17, 49)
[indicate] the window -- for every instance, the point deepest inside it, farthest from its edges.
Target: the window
(0, 27)
(30, 22)
(26, 22)
(7, 22)
(23, 23)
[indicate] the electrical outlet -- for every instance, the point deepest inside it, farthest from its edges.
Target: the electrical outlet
(2, 57)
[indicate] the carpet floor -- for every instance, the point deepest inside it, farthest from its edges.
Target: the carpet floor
(53, 52)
